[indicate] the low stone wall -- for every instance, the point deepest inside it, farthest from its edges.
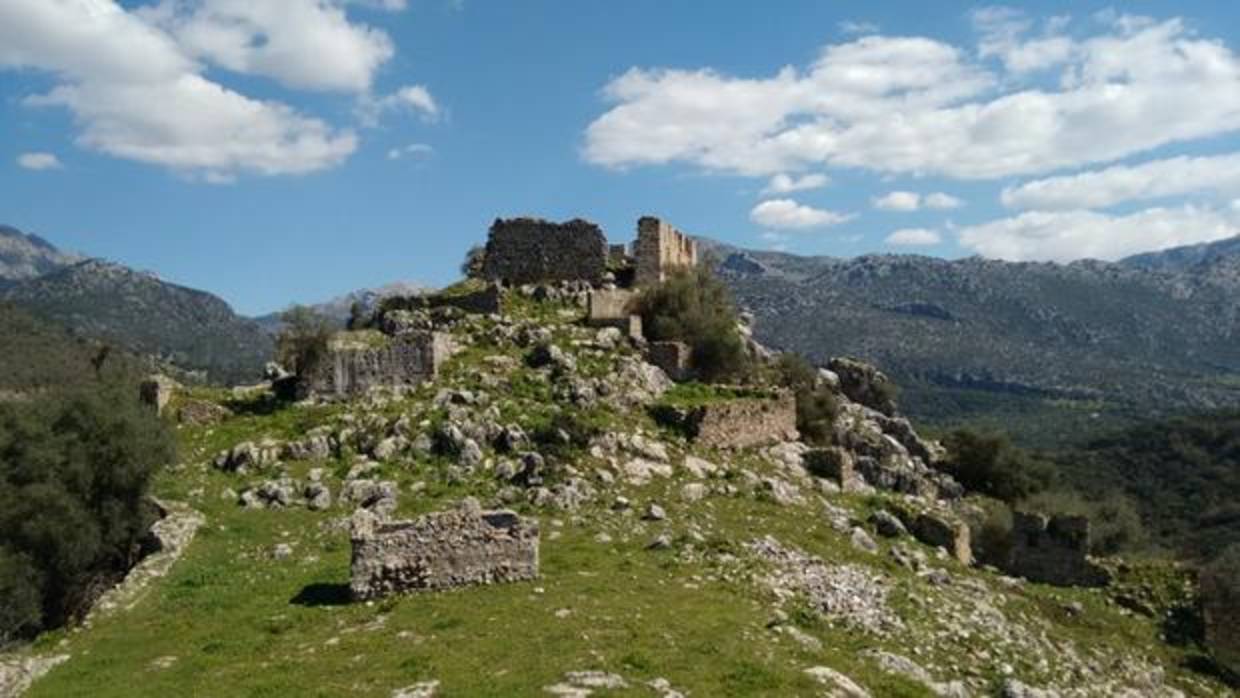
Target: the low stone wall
(834, 464)
(673, 357)
(744, 422)
(352, 369)
(609, 308)
(1220, 605)
(1053, 550)
(449, 549)
(532, 250)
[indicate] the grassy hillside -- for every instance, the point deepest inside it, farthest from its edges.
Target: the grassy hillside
(722, 605)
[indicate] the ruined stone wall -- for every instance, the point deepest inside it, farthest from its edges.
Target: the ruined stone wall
(351, 369)
(609, 308)
(675, 358)
(1053, 551)
(744, 422)
(1220, 605)
(531, 250)
(441, 551)
(660, 249)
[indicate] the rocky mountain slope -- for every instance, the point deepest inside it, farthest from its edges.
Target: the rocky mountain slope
(24, 256)
(190, 329)
(974, 337)
(668, 568)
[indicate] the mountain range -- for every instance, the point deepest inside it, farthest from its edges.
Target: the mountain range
(1053, 343)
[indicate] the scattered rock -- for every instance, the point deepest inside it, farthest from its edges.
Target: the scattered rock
(838, 685)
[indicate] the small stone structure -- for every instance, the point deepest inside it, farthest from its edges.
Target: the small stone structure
(660, 249)
(444, 550)
(1053, 550)
(156, 391)
(944, 532)
(351, 368)
(532, 250)
(673, 357)
(743, 422)
(1220, 606)
(835, 464)
(609, 307)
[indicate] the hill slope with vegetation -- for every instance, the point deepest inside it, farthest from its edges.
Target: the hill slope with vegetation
(1035, 347)
(138, 312)
(667, 568)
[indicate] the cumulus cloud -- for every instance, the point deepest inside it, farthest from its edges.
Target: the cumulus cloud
(307, 44)
(784, 183)
(39, 161)
(913, 237)
(136, 81)
(918, 106)
(897, 201)
(414, 98)
(788, 214)
(1066, 235)
(942, 202)
(1216, 174)
(856, 28)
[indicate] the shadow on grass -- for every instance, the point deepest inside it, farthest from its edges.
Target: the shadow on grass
(322, 594)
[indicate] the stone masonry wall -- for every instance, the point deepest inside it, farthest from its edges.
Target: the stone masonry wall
(659, 249)
(1053, 551)
(745, 422)
(350, 370)
(532, 250)
(441, 551)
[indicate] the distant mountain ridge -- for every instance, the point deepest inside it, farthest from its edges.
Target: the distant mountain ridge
(340, 307)
(24, 256)
(191, 329)
(967, 336)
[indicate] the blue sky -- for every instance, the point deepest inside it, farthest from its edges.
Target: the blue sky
(291, 150)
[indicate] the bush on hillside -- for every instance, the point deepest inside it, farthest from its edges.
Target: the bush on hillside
(303, 339)
(74, 471)
(1114, 525)
(989, 464)
(817, 405)
(695, 307)
(474, 265)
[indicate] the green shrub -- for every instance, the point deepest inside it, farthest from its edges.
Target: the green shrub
(817, 405)
(989, 464)
(991, 532)
(303, 339)
(474, 265)
(1114, 527)
(695, 307)
(74, 471)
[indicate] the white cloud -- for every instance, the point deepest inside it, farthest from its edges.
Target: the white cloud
(786, 213)
(411, 150)
(1217, 174)
(1004, 32)
(913, 237)
(136, 93)
(897, 201)
(942, 202)
(919, 106)
(415, 98)
(783, 183)
(856, 28)
(39, 161)
(307, 44)
(1066, 235)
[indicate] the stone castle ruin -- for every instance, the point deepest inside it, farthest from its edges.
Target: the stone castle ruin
(530, 250)
(461, 547)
